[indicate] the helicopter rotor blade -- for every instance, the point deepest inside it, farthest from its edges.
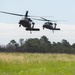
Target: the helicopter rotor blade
(48, 20)
(44, 19)
(37, 19)
(11, 13)
(39, 16)
(26, 15)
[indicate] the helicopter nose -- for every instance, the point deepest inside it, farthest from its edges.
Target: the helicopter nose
(43, 26)
(19, 22)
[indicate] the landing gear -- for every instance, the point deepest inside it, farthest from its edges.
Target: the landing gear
(33, 24)
(55, 25)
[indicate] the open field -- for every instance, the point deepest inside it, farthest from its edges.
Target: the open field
(36, 64)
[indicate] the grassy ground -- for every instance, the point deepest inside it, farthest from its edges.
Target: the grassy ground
(36, 64)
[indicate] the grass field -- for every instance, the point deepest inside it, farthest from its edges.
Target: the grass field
(36, 64)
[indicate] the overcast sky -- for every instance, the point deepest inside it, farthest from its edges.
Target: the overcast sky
(59, 9)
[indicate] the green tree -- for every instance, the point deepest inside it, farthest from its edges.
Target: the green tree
(32, 45)
(45, 44)
(54, 47)
(73, 45)
(65, 43)
(66, 46)
(12, 45)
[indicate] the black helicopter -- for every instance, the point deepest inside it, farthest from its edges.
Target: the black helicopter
(29, 24)
(26, 21)
(50, 25)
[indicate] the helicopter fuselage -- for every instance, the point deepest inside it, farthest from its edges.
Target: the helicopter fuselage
(25, 23)
(49, 25)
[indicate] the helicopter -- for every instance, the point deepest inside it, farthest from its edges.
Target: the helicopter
(28, 23)
(49, 25)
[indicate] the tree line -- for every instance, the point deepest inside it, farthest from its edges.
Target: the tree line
(42, 45)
